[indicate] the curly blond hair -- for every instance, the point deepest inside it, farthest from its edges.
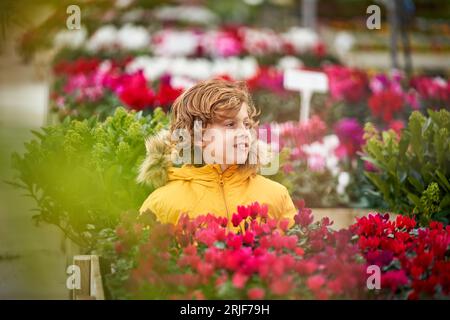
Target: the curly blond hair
(210, 101)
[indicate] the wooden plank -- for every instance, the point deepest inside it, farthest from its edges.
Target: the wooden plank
(84, 263)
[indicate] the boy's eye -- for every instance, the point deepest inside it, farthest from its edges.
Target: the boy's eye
(232, 124)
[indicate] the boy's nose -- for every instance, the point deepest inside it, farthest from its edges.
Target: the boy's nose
(242, 134)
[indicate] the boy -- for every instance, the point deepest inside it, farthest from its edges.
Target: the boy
(219, 170)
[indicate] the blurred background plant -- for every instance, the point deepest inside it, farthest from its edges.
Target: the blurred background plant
(82, 174)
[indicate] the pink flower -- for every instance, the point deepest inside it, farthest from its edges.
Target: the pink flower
(315, 282)
(239, 280)
(393, 279)
(346, 84)
(304, 217)
(397, 126)
(248, 237)
(255, 293)
(244, 212)
(284, 224)
(281, 285)
(350, 134)
(234, 241)
(205, 269)
(236, 219)
(316, 162)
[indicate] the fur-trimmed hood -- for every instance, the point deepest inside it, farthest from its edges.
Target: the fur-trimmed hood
(157, 168)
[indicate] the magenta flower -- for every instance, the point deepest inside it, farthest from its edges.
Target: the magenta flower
(350, 134)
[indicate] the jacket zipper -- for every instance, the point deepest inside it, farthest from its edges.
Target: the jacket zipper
(223, 195)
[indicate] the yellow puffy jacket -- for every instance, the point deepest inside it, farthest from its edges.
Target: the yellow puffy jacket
(206, 189)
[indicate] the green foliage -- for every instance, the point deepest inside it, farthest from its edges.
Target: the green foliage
(413, 173)
(82, 174)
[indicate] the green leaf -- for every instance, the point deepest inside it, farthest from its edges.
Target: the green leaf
(443, 180)
(414, 199)
(416, 183)
(445, 202)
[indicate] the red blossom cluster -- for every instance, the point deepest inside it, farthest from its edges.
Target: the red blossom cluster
(385, 104)
(347, 84)
(261, 258)
(415, 262)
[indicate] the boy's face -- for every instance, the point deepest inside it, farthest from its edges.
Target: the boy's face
(228, 141)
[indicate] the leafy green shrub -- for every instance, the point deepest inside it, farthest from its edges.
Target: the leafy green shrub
(413, 172)
(82, 174)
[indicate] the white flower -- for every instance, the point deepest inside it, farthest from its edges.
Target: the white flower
(326, 150)
(343, 182)
(181, 82)
(236, 68)
(303, 39)
(200, 68)
(72, 39)
(175, 43)
(132, 37)
(103, 38)
(153, 67)
(331, 141)
(193, 69)
(261, 41)
(289, 62)
(440, 82)
(248, 67)
(343, 42)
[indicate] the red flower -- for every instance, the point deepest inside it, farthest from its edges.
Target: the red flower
(167, 94)
(244, 212)
(255, 293)
(304, 217)
(315, 282)
(248, 237)
(255, 210)
(385, 104)
(134, 93)
(205, 269)
(236, 219)
(284, 224)
(347, 84)
(239, 280)
(281, 286)
(234, 241)
(393, 279)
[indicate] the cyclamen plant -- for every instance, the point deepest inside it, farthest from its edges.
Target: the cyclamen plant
(253, 256)
(260, 257)
(415, 262)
